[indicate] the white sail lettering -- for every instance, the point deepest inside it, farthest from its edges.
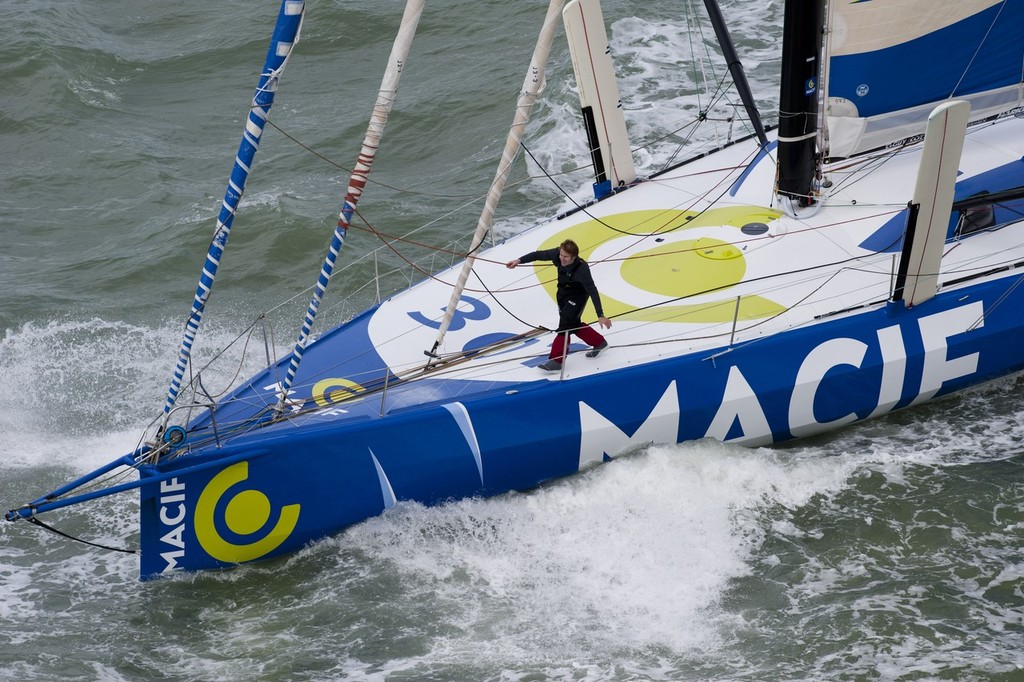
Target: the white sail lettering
(599, 436)
(894, 369)
(171, 485)
(172, 559)
(174, 537)
(168, 521)
(172, 513)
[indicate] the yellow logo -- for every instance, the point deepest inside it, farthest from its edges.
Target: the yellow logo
(676, 268)
(246, 513)
(329, 391)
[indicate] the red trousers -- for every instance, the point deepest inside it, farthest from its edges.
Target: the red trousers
(587, 335)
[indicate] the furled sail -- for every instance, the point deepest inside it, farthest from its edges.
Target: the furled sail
(357, 182)
(532, 85)
(890, 62)
(286, 34)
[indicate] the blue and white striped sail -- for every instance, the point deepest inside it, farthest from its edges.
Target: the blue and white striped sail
(890, 62)
(286, 34)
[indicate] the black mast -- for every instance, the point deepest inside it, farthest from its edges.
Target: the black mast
(736, 69)
(798, 99)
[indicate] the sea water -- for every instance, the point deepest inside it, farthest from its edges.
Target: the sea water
(889, 550)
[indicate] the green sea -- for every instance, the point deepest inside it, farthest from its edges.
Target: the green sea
(891, 550)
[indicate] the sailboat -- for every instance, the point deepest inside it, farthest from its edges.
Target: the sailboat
(860, 258)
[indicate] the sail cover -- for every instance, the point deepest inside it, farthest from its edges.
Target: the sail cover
(891, 61)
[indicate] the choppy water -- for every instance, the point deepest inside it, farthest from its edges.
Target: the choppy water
(888, 551)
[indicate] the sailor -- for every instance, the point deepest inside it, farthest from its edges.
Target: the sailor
(575, 286)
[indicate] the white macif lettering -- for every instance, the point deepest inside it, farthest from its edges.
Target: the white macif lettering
(818, 362)
(174, 537)
(172, 559)
(168, 521)
(935, 329)
(740, 403)
(894, 369)
(171, 485)
(599, 436)
(172, 513)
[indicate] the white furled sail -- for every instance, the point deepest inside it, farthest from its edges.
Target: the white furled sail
(599, 94)
(890, 63)
(286, 35)
(357, 182)
(532, 85)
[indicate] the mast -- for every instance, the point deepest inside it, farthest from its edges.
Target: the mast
(532, 86)
(286, 34)
(798, 99)
(739, 76)
(357, 181)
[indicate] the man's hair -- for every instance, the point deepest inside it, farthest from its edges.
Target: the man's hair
(569, 246)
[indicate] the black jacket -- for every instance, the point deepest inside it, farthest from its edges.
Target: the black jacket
(575, 282)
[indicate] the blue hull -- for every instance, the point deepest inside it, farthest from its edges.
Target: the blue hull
(280, 487)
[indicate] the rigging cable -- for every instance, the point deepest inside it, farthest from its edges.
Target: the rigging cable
(36, 521)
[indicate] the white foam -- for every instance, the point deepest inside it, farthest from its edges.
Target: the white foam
(663, 69)
(80, 393)
(632, 555)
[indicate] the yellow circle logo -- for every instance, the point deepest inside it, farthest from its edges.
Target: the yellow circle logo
(330, 391)
(677, 267)
(246, 513)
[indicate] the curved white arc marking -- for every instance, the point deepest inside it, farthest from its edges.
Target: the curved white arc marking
(461, 416)
(386, 492)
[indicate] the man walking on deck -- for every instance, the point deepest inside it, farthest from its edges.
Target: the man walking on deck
(575, 286)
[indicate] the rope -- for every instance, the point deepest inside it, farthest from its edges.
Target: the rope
(36, 521)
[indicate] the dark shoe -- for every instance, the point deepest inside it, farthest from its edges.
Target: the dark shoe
(550, 366)
(597, 350)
